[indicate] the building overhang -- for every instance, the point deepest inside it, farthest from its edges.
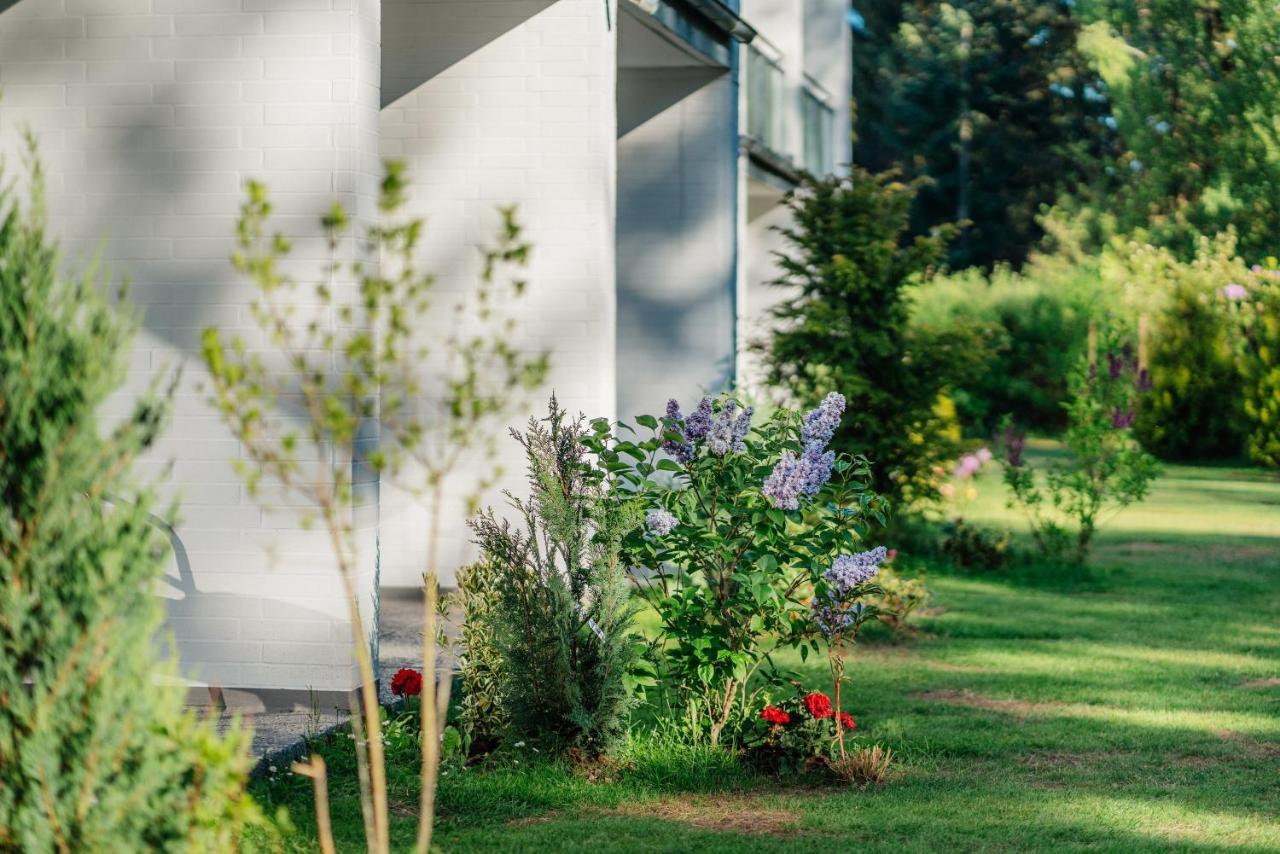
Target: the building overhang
(705, 28)
(768, 166)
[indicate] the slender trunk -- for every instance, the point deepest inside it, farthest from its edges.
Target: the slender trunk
(430, 736)
(718, 723)
(369, 699)
(362, 767)
(315, 769)
(837, 670)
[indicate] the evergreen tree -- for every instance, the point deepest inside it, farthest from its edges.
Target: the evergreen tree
(95, 753)
(992, 102)
(843, 327)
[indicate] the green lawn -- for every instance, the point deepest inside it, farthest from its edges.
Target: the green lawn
(1134, 709)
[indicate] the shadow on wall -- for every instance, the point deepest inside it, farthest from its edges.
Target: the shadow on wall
(146, 157)
(255, 622)
(421, 38)
(675, 231)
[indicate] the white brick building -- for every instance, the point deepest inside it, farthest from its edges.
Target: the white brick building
(646, 142)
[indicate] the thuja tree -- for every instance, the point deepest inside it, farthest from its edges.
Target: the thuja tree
(561, 617)
(842, 326)
(96, 750)
(742, 523)
(373, 392)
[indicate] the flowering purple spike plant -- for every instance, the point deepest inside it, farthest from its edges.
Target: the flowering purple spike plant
(1106, 467)
(746, 517)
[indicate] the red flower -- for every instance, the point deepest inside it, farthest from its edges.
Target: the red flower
(818, 705)
(774, 715)
(892, 554)
(406, 683)
(847, 721)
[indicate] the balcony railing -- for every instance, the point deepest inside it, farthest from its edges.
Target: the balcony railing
(766, 108)
(818, 121)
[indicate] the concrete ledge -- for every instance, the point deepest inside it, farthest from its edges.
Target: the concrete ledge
(257, 701)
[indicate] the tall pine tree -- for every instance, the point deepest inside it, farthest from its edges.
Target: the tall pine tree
(992, 102)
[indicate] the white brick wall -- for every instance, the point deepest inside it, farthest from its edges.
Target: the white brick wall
(151, 115)
(494, 102)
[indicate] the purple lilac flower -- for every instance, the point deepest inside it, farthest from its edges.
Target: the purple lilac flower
(1235, 291)
(698, 425)
(820, 424)
(1144, 380)
(1123, 419)
(1013, 444)
(785, 482)
(675, 423)
(660, 522)
(832, 616)
(728, 430)
(740, 429)
(817, 469)
(848, 571)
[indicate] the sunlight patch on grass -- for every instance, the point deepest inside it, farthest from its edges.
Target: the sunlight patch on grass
(1222, 723)
(1177, 823)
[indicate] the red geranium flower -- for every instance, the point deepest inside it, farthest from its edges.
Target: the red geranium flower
(406, 683)
(774, 715)
(818, 705)
(847, 721)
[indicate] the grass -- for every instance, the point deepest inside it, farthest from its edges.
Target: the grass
(1132, 708)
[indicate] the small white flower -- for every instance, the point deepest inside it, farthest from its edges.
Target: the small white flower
(519, 744)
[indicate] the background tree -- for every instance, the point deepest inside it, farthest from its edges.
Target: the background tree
(96, 750)
(989, 99)
(1194, 87)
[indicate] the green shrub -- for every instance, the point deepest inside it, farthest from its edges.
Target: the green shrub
(1195, 408)
(974, 547)
(1256, 314)
(1026, 331)
(560, 612)
(898, 597)
(96, 750)
(736, 542)
(843, 326)
(482, 711)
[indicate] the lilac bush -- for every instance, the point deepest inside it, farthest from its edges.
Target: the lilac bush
(746, 518)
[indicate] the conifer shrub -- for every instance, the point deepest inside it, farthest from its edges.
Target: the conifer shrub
(96, 750)
(481, 708)
(561, 614)
(843, 327)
